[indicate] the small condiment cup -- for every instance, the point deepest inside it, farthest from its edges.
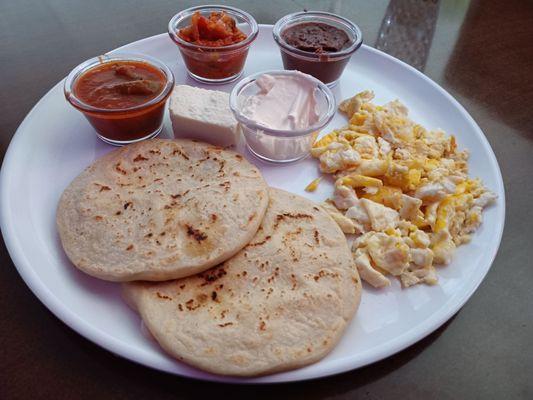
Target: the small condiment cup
(126, 125)
(327, 66)
(208, 64)
(276, 145)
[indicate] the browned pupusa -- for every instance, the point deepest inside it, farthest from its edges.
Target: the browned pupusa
(160, 209)
(280, 303)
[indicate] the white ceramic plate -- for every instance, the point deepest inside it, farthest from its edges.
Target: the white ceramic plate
(55, 143)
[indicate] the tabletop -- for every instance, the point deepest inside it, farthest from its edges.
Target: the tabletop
(479, 51)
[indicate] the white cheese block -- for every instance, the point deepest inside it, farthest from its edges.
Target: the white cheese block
(203, 115)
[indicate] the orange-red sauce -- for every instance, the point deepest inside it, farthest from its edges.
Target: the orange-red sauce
(118, 85)
(216, 31)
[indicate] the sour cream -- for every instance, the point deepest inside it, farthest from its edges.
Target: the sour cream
(283, 102)
(280, 113)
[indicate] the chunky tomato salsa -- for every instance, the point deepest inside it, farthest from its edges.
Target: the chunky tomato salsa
(218, 30)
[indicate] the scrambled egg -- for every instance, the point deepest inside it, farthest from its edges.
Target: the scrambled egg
(403, 190)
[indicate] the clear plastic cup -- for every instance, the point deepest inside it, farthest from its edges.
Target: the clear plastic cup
(208, 64)
(275, 145)
(325, 66)
(125, 125)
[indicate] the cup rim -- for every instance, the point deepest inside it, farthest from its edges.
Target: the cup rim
(109, 58)
(213, 7)
(324, 16)
(243, 119)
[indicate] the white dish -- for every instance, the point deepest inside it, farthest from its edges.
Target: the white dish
(55, 143)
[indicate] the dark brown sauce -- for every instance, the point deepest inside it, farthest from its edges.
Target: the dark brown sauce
(319, 40)
(315, 37)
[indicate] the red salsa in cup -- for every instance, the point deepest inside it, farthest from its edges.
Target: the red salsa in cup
(216, 31)
(117, 97)
(219, 29)
(119, 85)
(213, 41)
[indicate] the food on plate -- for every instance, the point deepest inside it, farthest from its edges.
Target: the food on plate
(313, 185)
(213, 41)
(160, 209)
(315, 37)
(120, 84)
(281, 112)
(202, 114)
(317, 43)
(403, 190)
(283, 102)
(217, 30)
(281, 303)
(122, 96)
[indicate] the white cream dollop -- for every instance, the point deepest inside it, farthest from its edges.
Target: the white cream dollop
(284, 102)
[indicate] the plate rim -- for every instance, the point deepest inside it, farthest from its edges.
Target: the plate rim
(122, 349)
